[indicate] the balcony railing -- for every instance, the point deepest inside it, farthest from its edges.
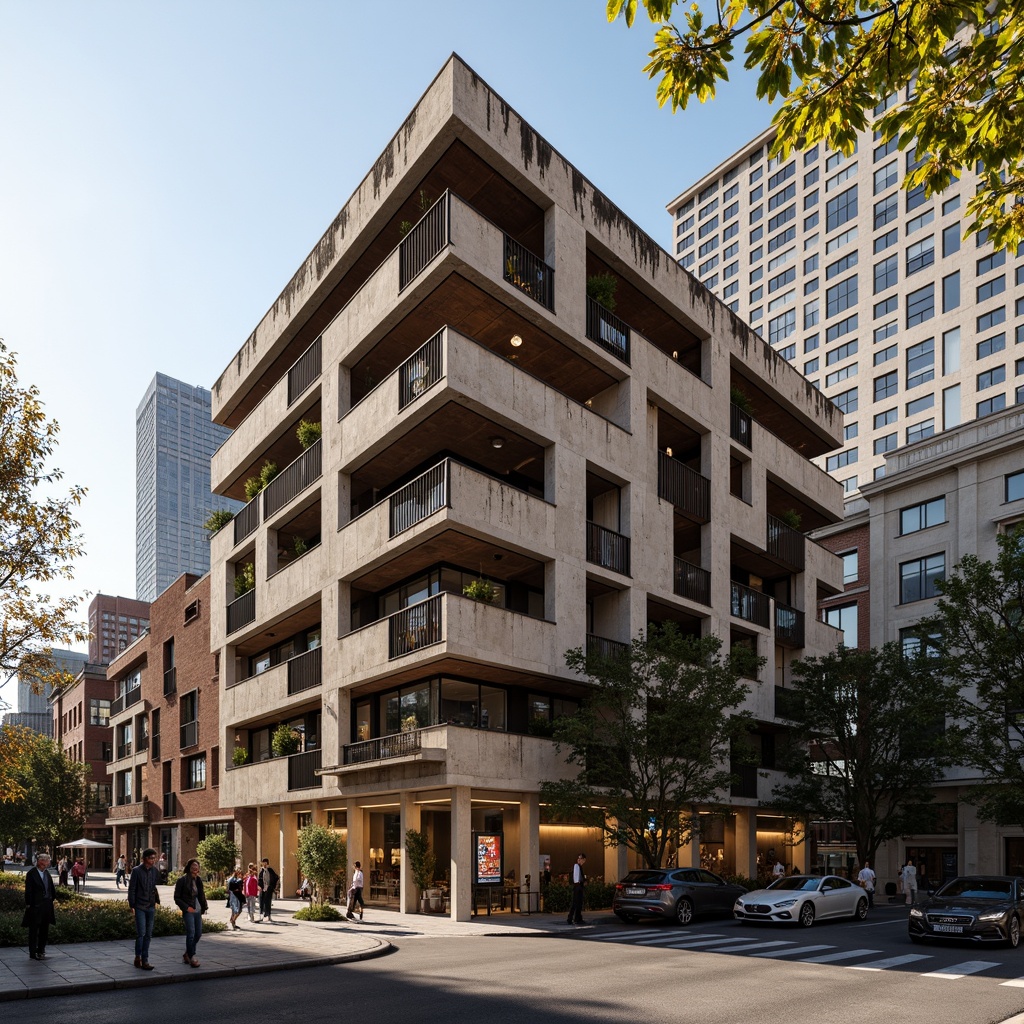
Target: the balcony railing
(382, 748)
(117, 706)
(750, 605)
(247, 519)
(740, 427)
(785, 544)
(684, 487)
(305, 670)
(431, 233)
(419, 498)
(293, 479)
(785, 703)
(126, 700)
(746, 780)
(608, 548)
(242, 611)
(419, 625)
(423, 369)
(302, 770)
(602, 647)
(133, 696)
(691, 581)
(124, 750)
(607, 330)
(529, 273)
(170, 681)
(170, 805)
(304, 371)
(189, 735)
(789, 626)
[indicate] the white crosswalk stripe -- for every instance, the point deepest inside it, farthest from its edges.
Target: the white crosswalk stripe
(1014, 983)
(631, 934)
(799, 951)
(848, 954)
(961, 970)
(891, 961)
(679, 943)
(754, 945)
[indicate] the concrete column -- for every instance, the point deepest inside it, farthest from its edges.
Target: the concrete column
(462, 853)
(529, 840)
(409, 812)
(746, 841)
(319, 813)
(356, 834)
(282, 847)
(688, 855)
(616, 863)
(800, 852)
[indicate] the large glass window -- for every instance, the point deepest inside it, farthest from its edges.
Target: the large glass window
(923, 515)
(920, 363)
(844, 617)
(841, 296)
(918, 578)
(1015, 486)
(99, 711)
(921, 305)
(472, 704)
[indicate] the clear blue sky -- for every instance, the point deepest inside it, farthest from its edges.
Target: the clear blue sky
(167, 166)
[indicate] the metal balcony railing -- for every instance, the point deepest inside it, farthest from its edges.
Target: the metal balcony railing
(170, 805)
(117, 706)
(382, 748)
(419, 625)
(293, 479)
(302, 770)
(740, 428)
(133, 696)
(529, 273)
(785, 544)
(305, 671)
(604, 328)
(419, 498)
(789, 626)
(688, 491)
(423, 369)
(242, 611)
(431, 233)
(602, 647)
(189, 735)
(750, 605)
(691, 581)
(124, 750)
(247, 519)
(608, 548)
(304, 371)
(170, 681)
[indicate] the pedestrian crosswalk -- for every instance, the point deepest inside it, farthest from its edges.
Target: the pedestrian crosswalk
(861, 959)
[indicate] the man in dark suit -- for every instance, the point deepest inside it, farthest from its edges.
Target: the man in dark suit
(39, 897)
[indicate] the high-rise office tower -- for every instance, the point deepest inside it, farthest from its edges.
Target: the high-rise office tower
(33, 705)
(174, 440)
(871, 292)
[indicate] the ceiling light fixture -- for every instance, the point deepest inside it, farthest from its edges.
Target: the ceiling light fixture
(515, 341)
(497, 442)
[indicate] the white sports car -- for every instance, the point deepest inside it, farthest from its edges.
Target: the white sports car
(800, 899)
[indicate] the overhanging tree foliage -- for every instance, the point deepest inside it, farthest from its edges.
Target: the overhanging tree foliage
(868, 742)
(834, 61)
(14, 742)
(322, 857)
(654, 738)
(978, 630)
(39, 536)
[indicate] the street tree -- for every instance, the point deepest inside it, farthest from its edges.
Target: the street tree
(217, 854)
(833, 63)
(869, 742)
(39, 536)
(322, 857)
(653, 739)
(15, 741)
(978, 632)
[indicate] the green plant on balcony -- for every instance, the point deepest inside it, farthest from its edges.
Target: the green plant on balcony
(601, 288)
(285, 741)
(791, 518)
(407, 225)
(245, 580)
(409, 723)
(255, 484)
(218, 519)
(480, 590)
(740, 400)
(301, 547)
(309, 433)
(239, 756)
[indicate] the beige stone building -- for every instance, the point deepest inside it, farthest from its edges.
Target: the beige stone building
(488, 427)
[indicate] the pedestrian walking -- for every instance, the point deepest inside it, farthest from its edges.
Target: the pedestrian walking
(119, 871)
(910, 882)
(355, 893)
(251, 891)
(39, 896)
(779, 871)
(62, 871)
(268, 884)
(866, 878)
(143, 898)
(191, 901)
(579, 882)
(236, 897)
(78, 874)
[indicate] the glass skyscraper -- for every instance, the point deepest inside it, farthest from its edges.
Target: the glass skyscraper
(174, 440)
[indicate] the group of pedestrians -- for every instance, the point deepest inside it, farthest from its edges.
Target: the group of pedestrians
(909, 881)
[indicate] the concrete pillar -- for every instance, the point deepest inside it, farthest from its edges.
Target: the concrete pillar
(616, 863)
(689, 852)
(409, 812)
(462, 853)
(800, 852)
(282, 847)
(529, 840)
(746, 841)
(356, 834)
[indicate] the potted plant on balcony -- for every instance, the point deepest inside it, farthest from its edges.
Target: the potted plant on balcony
(309, 433)
(245, 580)
(285, 741)
(239, 756)
(422, 864)
(601, 288)
(219, 518)
(740, 400)
(480, 590)
(255, 484)
(791, 518)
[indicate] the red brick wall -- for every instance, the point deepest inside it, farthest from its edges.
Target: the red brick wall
(859, 590)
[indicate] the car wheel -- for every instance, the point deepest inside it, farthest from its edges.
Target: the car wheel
(806, 917)
(684, 911)
(862, 909)
(1013, 935)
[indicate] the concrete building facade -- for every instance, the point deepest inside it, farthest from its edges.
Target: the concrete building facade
(507, 470)
(174, 440)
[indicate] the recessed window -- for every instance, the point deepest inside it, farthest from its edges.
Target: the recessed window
(843, 617)
(850, 572)
(919, 578)
(921, 516)
(1015, 486)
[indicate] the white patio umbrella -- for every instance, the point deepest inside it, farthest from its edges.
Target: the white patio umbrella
(85, 844)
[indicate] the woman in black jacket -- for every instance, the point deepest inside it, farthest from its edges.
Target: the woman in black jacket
(191, 901)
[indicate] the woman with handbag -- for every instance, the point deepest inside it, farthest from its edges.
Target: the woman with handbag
(236, 897)
(191, 901)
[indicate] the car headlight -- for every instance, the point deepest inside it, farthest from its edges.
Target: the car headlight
(914, 912)
(992, 915)
(784, 903)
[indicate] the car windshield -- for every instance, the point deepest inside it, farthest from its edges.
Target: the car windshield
(978, 889)
(796, 882)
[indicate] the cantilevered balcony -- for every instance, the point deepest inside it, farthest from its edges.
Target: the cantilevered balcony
(302, 770)
(293, 479)
(607, 548)
(425, 240)
(304, 371)
(789, 626)
(785, 545)
(688, 491)
(740, 428)
(604, 328)
(750, 605)
(241, 611)
(529, 273)
(602, 647)
(691, 581)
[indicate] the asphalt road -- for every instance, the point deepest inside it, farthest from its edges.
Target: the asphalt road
(603, 974)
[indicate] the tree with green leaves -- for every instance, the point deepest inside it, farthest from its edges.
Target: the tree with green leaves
(978, 631)
(323, 858)
(869, 742)
(653, 739)
(218, 854)
(15, 743)
(832, 63)
(39, 537)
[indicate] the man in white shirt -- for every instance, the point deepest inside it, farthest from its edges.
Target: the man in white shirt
(866, 877)
(355, 894)
(579, 883)
(779, 871)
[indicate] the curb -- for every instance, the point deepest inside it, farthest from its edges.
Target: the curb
(380, 948)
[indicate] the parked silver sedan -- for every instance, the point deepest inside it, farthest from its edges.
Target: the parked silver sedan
(803, 899)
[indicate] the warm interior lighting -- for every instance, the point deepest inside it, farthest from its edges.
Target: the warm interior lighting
(515, 341)
(668, 452)
(497, 442)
